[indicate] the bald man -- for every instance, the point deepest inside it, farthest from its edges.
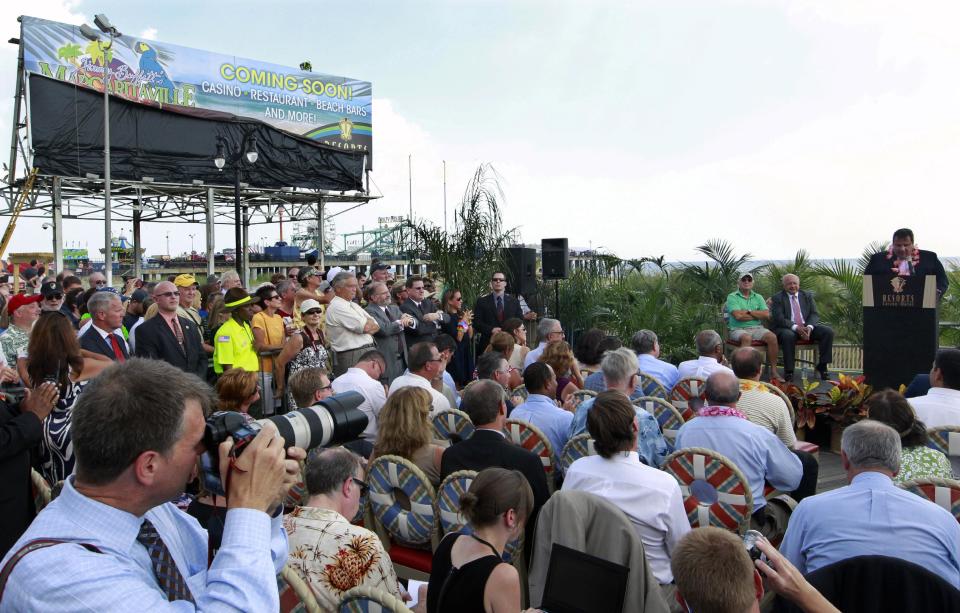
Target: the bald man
(169, 337)
(794, 316)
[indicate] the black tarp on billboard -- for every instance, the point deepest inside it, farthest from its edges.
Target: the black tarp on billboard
(173, 144)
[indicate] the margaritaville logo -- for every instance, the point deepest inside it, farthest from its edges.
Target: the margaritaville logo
(898, 283)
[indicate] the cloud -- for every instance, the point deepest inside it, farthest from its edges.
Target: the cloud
(149, 34)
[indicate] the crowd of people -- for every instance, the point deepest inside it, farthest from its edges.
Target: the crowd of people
(106, 395)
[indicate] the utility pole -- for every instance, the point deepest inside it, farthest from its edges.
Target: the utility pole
(445, 196)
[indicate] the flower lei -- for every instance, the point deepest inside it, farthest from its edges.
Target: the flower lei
(714, 411)
(914, 259)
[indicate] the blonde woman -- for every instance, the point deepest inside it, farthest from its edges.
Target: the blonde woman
(404, 430)
(504, 343)
(559, 357)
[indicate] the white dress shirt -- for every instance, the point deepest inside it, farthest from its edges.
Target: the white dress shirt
(534, 354)
(345, 321)
(940, 407)
(408, 379)
(373, 397)
(649, 497)
(702, 367)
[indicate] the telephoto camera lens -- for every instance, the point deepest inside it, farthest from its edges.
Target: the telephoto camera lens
(332, 421)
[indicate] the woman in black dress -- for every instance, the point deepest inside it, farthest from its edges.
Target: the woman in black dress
(469, 574)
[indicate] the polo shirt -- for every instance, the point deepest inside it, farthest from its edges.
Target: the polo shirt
(738, 302)
(234, 346)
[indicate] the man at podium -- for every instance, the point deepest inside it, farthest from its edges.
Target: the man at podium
(904, 259)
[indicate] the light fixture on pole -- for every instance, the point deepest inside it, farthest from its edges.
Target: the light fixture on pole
(191, 245)
(106, 52)
(245, 155)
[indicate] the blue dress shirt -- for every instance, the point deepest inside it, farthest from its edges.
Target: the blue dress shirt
(872, 516)
(651, 446)
(756, 451)
(67, 577)
(664, 372)
(542, 412)
(448, 381)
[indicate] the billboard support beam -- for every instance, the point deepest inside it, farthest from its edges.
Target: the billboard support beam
(210, 233)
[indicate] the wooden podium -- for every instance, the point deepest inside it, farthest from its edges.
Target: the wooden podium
(900, 328)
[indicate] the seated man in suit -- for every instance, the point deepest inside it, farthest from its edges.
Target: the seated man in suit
(485, 403)
(872, 516)
(423, 311)
(105, 335)
(169, 337)
(794, 316)
(490, 311)
(903, 258)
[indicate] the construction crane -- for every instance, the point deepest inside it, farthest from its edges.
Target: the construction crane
(17, 208)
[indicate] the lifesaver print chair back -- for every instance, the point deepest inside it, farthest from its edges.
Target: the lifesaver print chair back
(715, 492)
(688, 396)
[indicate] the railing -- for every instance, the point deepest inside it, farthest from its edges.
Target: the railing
(846, 357)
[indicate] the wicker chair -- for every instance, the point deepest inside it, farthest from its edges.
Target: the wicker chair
(666, 414)
(651, 387)
(295, 595)
(733, 506)
(688, 395)
(407, 524)
(577, 447)
(945, 439)
(533, 439)
(364, 599)
(942, 492)
(581, 395)
(452, 425)
(520, 391)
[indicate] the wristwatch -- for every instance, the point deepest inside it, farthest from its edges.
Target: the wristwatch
(749, 312)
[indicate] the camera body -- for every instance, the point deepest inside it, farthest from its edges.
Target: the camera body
(332, 421)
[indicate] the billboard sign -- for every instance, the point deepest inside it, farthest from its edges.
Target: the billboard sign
(334, 111)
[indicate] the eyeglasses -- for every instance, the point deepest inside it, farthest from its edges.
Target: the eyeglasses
(274, 297)
(417, 289)
(167, 294)
(54, 297)
(99, 283)
(498, 280)
(363, 486)
(326, 387)
(292, 276)
(313, 312)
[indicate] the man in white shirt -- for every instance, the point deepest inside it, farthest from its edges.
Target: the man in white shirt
(425, 365)
(349, 327)
(649, 497)
(364, 378)
(548, 330)
(941, 405)
(710, 348)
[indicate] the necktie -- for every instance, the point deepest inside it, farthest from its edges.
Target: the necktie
(797, 316)
(164, 568)
(178, 332)
(117, 351)
(499, 308)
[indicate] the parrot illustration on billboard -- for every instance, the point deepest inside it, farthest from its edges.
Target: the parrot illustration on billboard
(151, 68)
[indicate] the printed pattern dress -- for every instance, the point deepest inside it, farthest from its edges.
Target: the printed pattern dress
(921, 462)
(56, 447)
(313, 355)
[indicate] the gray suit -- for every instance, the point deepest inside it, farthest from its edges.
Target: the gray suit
(390, 339)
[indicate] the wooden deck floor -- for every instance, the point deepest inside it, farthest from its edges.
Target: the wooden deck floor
(831, 475)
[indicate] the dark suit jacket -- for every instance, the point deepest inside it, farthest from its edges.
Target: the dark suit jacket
(390, 338)
(156, 340)
(424, 330)
(781, 313)
(487, 449)
(19, 432)
(485, 316)
(929, 265)
(92, 341)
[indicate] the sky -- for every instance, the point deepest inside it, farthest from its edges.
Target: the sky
(642, 128)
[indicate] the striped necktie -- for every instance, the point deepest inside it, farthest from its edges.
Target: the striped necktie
(164, 568)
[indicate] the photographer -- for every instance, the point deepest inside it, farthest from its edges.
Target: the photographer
(125, 547)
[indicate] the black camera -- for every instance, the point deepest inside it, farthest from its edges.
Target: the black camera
(750, 539)
(332, 421)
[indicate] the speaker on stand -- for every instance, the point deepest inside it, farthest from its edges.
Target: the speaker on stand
(555, 260)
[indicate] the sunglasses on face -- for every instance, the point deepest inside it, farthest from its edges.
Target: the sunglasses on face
(313, 312)
(363, 486)
(168, 294)
(54, 297)
(99, 283)
(498, 280)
